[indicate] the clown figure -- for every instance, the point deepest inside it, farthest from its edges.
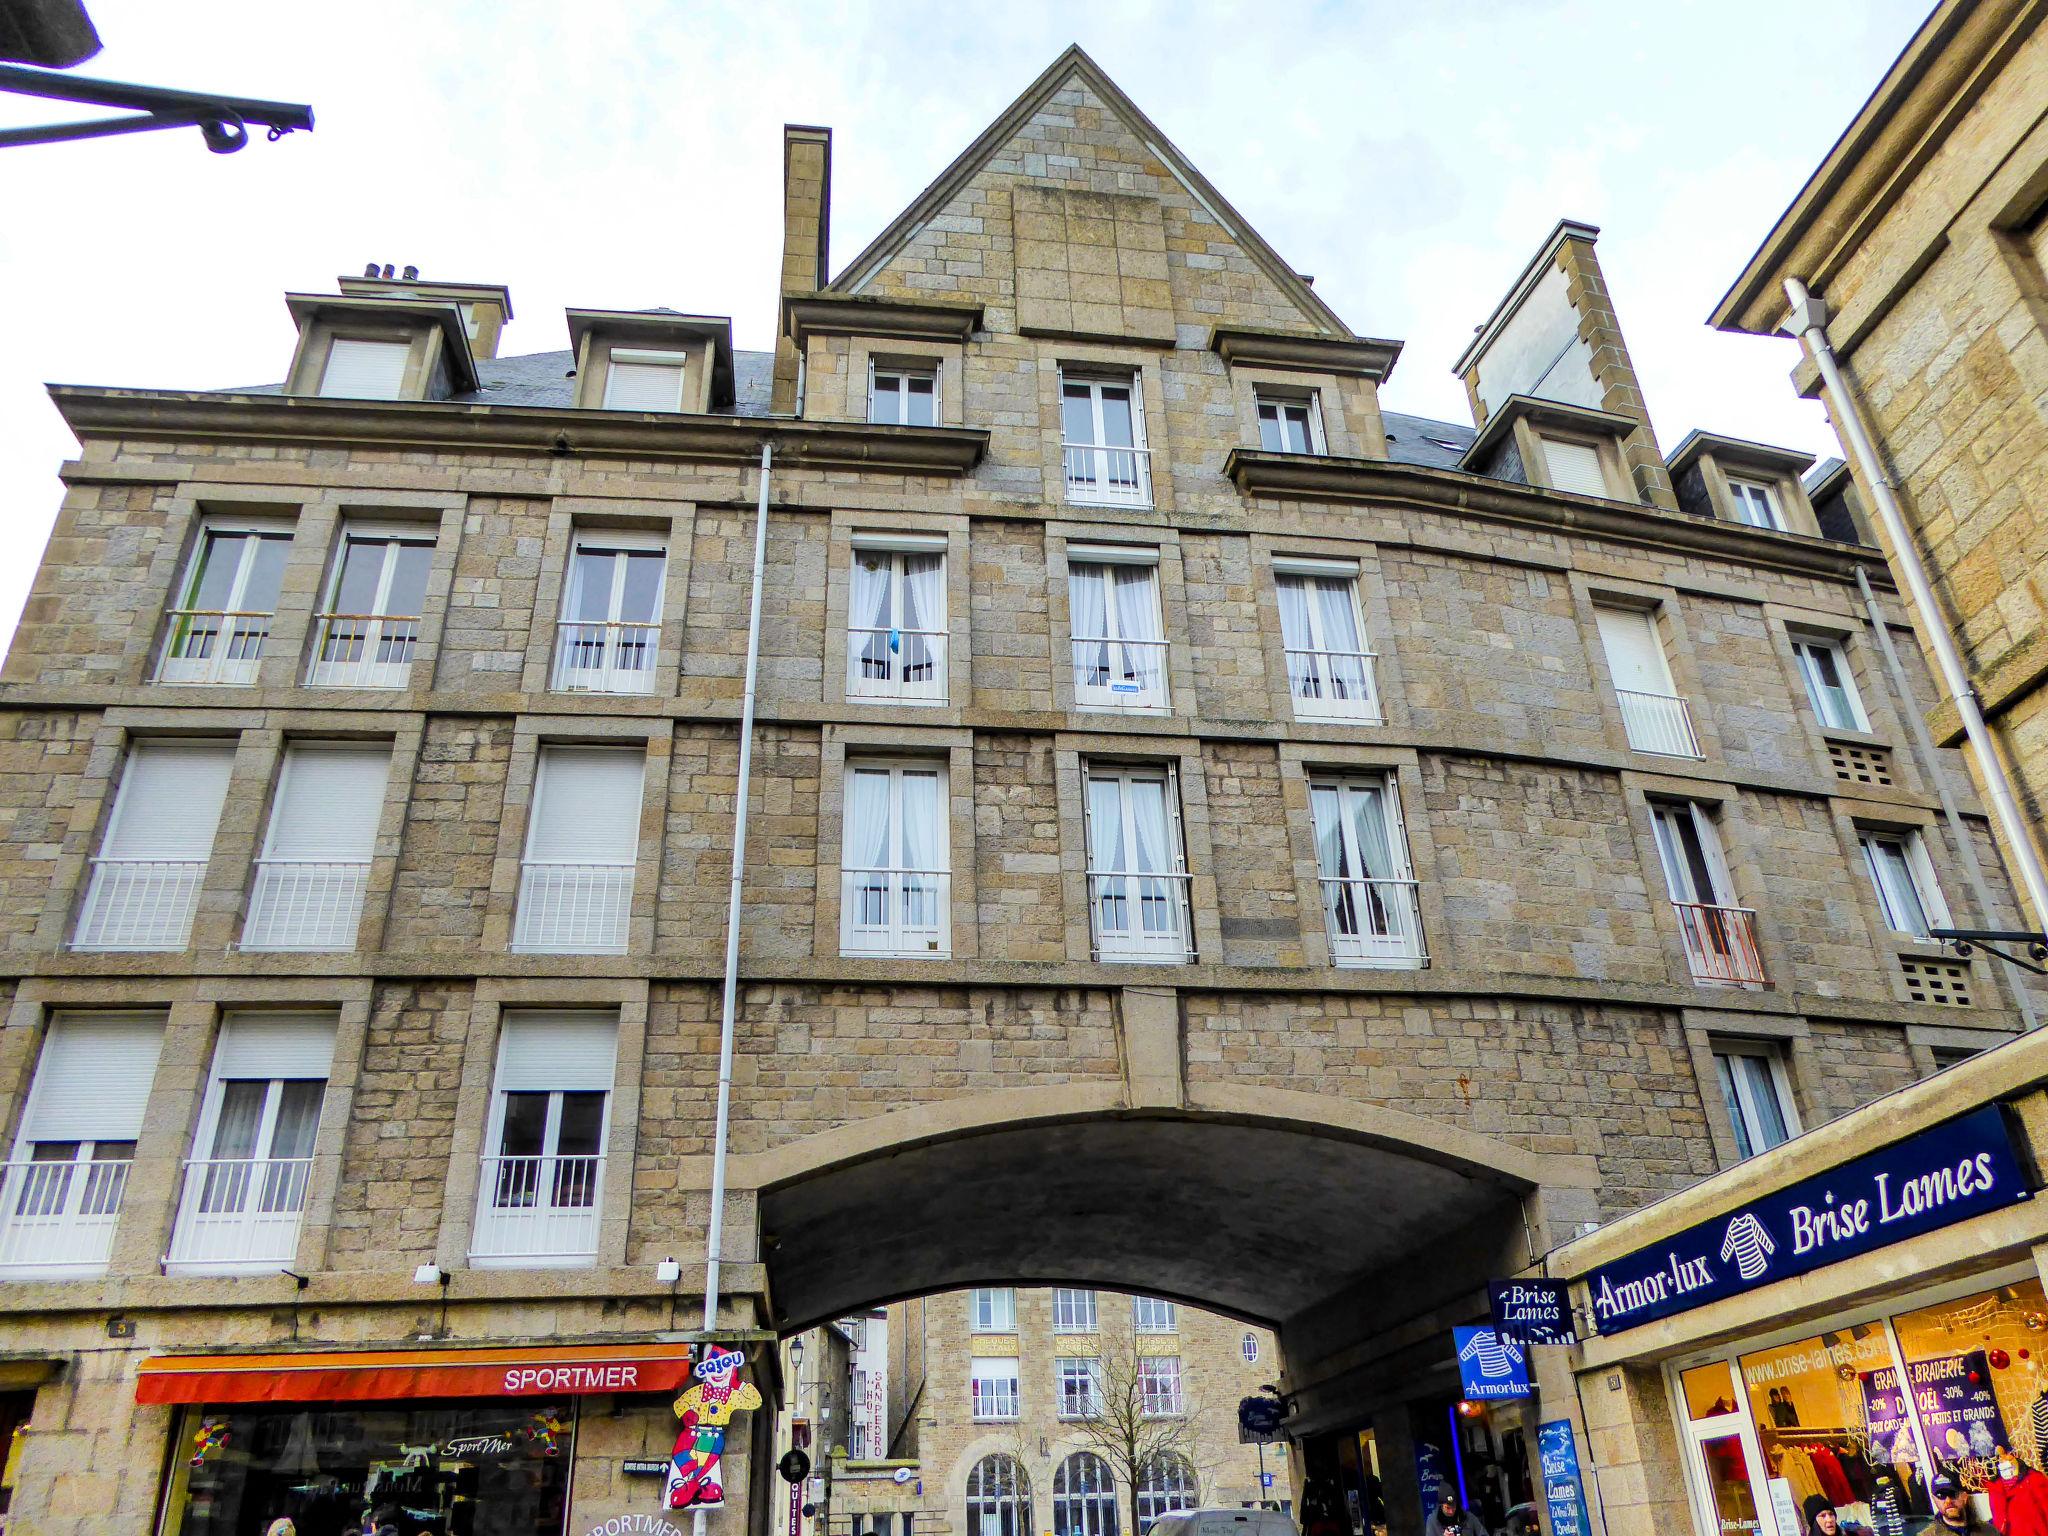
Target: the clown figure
(706, 1410)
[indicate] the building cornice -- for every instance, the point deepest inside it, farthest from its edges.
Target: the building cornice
(837, 314)
(1548, 413)
(1366, 357)
(1736, 450)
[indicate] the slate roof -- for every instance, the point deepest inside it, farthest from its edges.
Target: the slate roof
(543, 378)
(1426, 443)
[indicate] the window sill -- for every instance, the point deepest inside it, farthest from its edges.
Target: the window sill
(1403, 963)
(534, 1261)
(895, 954)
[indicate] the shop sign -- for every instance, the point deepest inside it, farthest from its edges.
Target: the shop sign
(1562, 1491)
(1491, 1367)
(796, 1508)
(1961, 1168)
(1429, 1472)
(1534, 1311)
(644, 1468)
(1958, 1410)
(635, 1525)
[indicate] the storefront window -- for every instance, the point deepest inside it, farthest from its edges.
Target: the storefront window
(1728, 1485)
(1826, 1427)
(387, 1469)
(1978, 1379)
(1709, 1390)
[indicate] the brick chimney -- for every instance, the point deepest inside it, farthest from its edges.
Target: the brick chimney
(806, 231)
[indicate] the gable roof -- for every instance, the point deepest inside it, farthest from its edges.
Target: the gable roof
(1075, 62)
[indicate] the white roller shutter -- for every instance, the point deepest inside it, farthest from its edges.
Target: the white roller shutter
(558, 1052)
(328, 802)
(170, 800)
(364, 370)
(1634, 655)
(1574, 467)
(587, 806)
(643, 386)
(93, 1080)
(274, 1045)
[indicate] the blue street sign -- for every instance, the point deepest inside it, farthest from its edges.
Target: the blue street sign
(1562, 1491)
(1491, 1367)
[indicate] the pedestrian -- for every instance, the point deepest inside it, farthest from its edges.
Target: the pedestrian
(1953, 1511)
(1449, 1518)
(282, 1526)
(2019, 1498)
(1822, 1519)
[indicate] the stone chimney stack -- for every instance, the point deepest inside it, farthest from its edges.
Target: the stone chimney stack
(806, 233)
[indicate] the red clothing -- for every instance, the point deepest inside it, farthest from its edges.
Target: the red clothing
(2020, 1507)
(1833, 1482)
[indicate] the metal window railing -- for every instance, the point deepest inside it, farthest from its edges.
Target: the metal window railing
(60, 1217)
(239, 1211)
(1119, 674)
(364, 650)
(139, 904)
(1720, 942)
(1109, 474)
(895, 663)
(305, 904)
(1337, 685)
(896, 911)
(544, 1207)
(1373, 922)
(605, 657)
(1141, 917)
(1658, 722)
(579, 909)
(213, 645)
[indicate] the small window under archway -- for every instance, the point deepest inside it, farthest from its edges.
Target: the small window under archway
(998, 1498)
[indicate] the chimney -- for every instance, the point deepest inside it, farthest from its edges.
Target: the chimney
(485, 306)
(806, 232)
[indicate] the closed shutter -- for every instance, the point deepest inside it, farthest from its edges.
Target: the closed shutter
(1574, 467)
(558, 1052)
(93, 1081)
(1633, 654)
(262, 1046)
(170, 800)
(587, 806)
(365, 370)
(328, 802)
(643, 387)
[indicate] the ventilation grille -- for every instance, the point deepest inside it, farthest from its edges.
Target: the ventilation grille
(1860, 765)
(1937, 981)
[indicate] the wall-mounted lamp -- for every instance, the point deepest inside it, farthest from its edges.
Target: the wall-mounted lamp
(430, 1274)
(668, 1271)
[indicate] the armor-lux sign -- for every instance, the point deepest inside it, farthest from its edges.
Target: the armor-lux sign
(1961, 1168)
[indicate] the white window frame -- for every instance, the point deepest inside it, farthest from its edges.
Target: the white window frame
(1383, 914)
(1923, 884)
(902, 374)
(1121, 657)
(1327, 684)
(1100, 473)
(995, 1394)
(621, 656)
(403, 347)
(324, 895)
(646, 358)
(1806, 651)
(567, 1231)
(229, 649)
(1756, 503)
(1656, 720)
(1077, 1386)
(1110, 890)
(992, 1309)
(1074, 1311)
(898, 887)
(1311, 408)
(897, 686)
(1745, 1120)
(385, 643)
(998, 1497)
(1168, 1483)
(166, 890)
(1248, 1346)
(1151, 1314)
(1719, 934)
(602, 904)
(1161, 1387)
(1548, 440)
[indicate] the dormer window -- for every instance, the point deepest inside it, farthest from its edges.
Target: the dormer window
(644, 381)
(360, 369)
(1290, 425)
(1732, 480)
(1574, 466)
(1571, 450)
(903, 397)
(1755, 504)
(651, 360)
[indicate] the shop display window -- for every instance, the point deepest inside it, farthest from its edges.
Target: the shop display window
(387, 1469)
(1826, 1426)
(1709, 1390)
(1978, 1379)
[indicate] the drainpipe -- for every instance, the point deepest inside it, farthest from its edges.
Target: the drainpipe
(1809, 322)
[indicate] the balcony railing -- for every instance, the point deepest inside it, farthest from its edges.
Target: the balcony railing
(1142, 917)
(212, 645)
(240, 1212)
(573, 909)
(139, 904)
(364, 650)
(305, 904)
(1720, 942)
(1373, 922)
(1120, 674)
(606, 657)
(1333, 685)
(896, 663)
(1658, 722)
(895, 911)
(59, 1218)
(1106, 474)
(538, 1208)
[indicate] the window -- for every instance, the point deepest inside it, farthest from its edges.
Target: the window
(61, 1198)
(539, 1196)
(1151, 1315)
(576, 881)
(1946, 1056)
(1166, 1484)
(992, 1383)
(611, 616)
(365, 370)
(895, 895)
(1102, 425)
(225, 605)
(1290, 426)
(1368, 890)
(903, 397)
(1656, 718)
(1084, 1497)
(1159, 1385)
(992, 1311)
(1575, 466)
(1119, 641)
(1329, 669)
(896, 624)
(1248, 1346)
(252, 1157)
(1073, 1311)
(1754, 1088)
(1755, 504)
(1137, 872)
(1720, 939)
(644, 381)
(316, 855)
(371, 626)
(1079, 1382)
(1829, 683)
(145, 882)
(1907, 892)
(998, 1498)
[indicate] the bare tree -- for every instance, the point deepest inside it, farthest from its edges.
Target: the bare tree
(1129, 1422)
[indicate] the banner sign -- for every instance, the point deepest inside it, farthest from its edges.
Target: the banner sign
(1534, 1311)
(1958, 1410)
(1490, 1367)
(1562, 1491)
(1946, 1174)
(1429, 1472)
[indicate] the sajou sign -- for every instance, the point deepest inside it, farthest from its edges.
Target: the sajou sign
(1958, 1169)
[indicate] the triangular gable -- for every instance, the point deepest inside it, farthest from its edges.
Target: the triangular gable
(977, 156)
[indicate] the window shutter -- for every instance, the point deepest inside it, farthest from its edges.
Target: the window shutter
(1574, 467)
(587, 806)
(364, 370)
(558, 1052)
(328, 802)
(94, 1077)
(281, 1045)
(1633, 653)
(643, 387)
(170, 800)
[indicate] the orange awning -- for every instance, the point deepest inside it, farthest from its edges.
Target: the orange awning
(555, 1370)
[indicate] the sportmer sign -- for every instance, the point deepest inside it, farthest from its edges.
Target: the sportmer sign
(1948, 1173)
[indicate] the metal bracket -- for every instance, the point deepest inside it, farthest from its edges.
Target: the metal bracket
(223, 121)
(1965, 941)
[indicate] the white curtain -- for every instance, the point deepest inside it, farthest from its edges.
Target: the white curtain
(1149, 832)
(1105, 826)
(1330, 861)
(924, 607)
(1137, 618)
(1088, 598)
(867, 820)
(1369, 825)
(921, 844)
(870, 609)
(1303, 674)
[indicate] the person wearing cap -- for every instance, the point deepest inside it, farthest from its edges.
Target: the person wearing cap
(1953, 1511)
(1448, 1518)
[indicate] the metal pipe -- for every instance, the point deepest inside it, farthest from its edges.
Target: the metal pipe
(1809, 322)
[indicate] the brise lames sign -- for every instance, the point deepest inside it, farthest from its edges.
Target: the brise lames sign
(1948, 1173)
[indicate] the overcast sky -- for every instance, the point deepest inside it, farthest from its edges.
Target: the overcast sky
(615, 155)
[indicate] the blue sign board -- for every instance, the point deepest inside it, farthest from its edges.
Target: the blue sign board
(1429, 1472)
(1948, 1173)
(1490, 1366)
(1534, 1311)
(1562, 1492)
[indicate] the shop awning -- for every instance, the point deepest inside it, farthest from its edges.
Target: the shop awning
(552, 1371)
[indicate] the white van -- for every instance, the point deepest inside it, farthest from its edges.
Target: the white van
(1227, 1521)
